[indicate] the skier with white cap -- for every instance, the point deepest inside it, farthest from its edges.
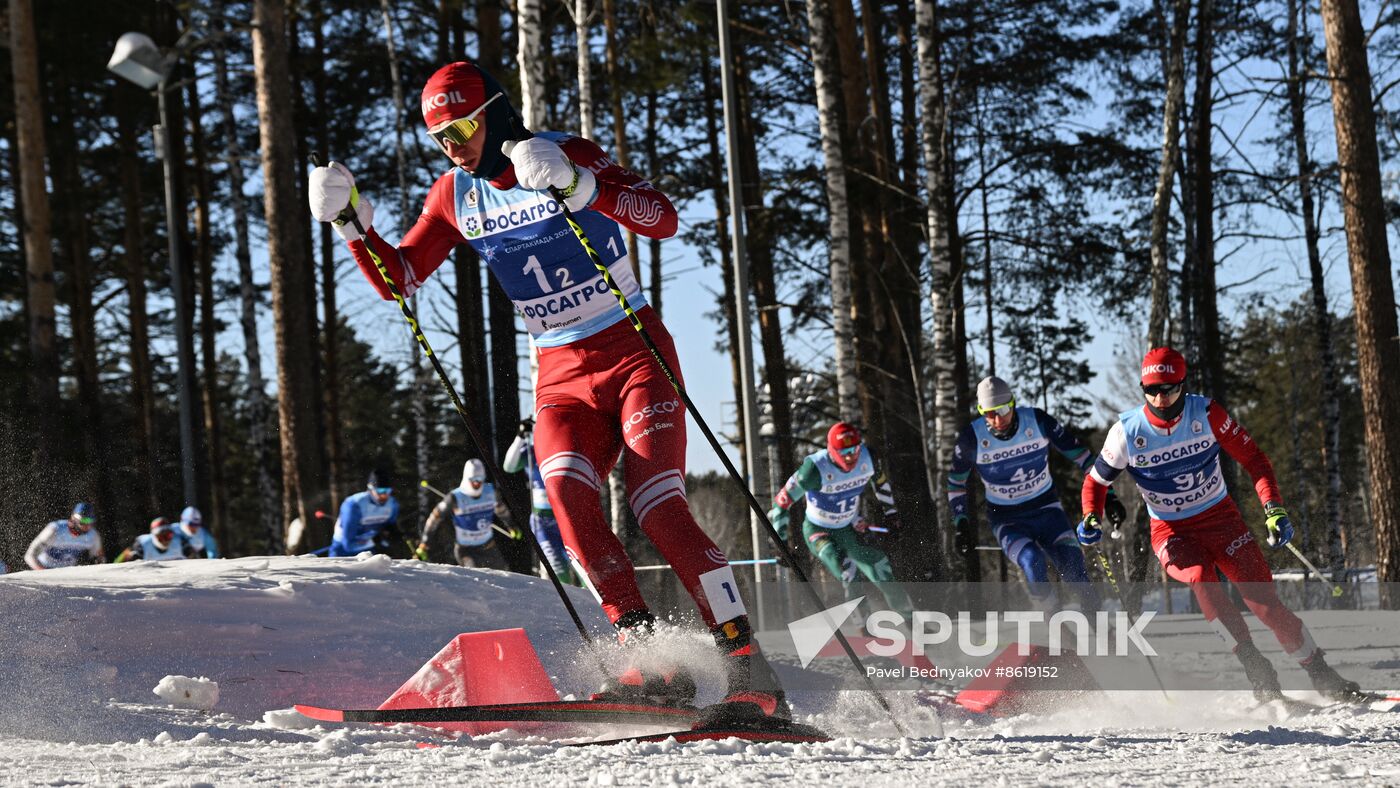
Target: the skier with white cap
(1009, 447)
(192, 528)
(472, 509)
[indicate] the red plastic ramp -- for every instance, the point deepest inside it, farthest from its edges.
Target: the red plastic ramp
(478, 668)
(1016, 682)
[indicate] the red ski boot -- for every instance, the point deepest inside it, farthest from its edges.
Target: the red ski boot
(1330, 684)
(754, 699)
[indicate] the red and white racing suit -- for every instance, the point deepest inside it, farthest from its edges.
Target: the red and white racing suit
(1196, 527)
(599, 392)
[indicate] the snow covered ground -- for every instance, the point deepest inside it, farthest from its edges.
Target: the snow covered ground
(183, 673)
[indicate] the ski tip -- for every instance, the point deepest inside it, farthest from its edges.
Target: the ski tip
(789, 736)
(790, 733)
(1385, 701)
(427, 745)
(318, 713)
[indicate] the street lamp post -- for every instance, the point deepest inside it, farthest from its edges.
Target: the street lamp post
(137, 59)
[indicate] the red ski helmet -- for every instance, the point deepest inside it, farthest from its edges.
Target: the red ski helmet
(1163, 365)
(162, 530)
(843, 445)
(459, 89)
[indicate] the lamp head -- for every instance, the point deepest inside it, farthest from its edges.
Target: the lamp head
(137, 59)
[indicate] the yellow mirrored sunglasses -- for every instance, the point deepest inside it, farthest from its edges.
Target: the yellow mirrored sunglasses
(459, 131)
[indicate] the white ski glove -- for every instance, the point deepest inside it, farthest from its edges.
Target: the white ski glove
(541, 164)
(331, 191)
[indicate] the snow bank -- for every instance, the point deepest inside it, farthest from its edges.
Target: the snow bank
(268, 632)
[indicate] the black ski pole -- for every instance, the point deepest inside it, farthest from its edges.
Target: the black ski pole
(487, 456)
(1123, 603)
(710, 436)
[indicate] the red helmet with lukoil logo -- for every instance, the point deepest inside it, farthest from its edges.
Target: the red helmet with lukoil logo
(843, 445)
(1163, 365)
(459, 89)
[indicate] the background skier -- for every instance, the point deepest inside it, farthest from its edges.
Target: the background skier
(367, 519)
(520, 456)
(1009, 447)
(163, 543)
(67, 542)
(1171, 448)
(832, 480)
(472, 509)
(193, 531)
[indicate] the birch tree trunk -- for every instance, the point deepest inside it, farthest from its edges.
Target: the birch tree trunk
(861, 261)
(826, 70)
(583, 22)
(303, 461)
(624, 525)
(1161, 198)
(616, 88)
(530, 59)
(37, 229)
(933, 128)
(1322, 313)
(714, 161)
(1372, 287)
(759, 243)
(248, 315)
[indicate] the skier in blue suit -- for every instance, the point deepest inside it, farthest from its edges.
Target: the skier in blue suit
(367, 519)
(1010, 449)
